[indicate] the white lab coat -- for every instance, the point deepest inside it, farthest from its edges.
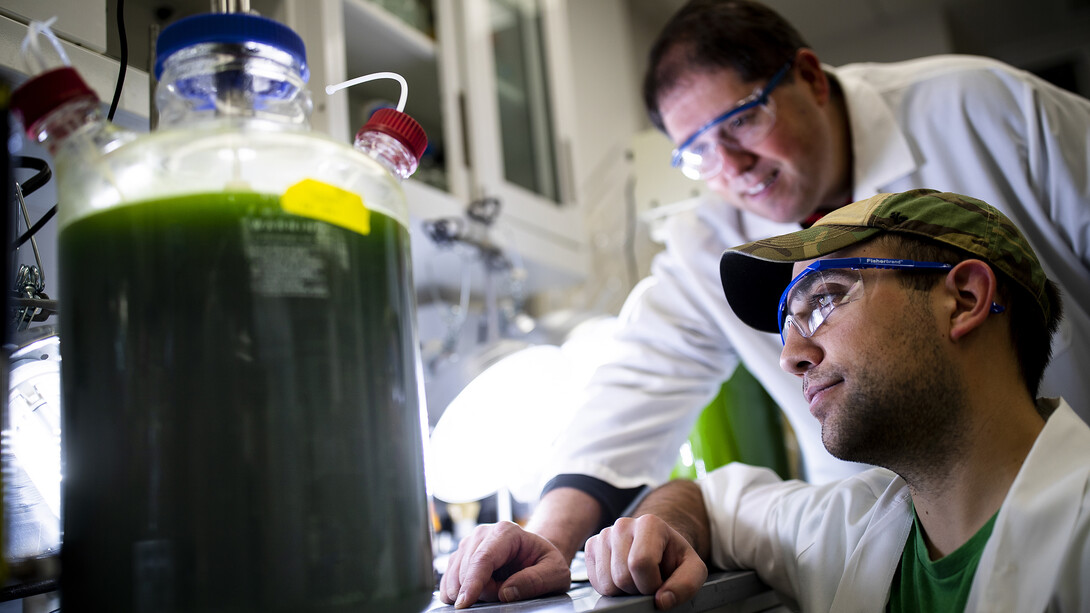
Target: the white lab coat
(953, 123)
(835, 547)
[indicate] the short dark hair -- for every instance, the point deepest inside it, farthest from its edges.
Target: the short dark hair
(1031, 333)
(711, 35)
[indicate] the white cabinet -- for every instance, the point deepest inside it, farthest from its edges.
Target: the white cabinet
(515, 77)
(85, 21)
(490, 90)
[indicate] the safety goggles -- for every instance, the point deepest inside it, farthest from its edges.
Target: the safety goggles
(746, 124)
(827, 284)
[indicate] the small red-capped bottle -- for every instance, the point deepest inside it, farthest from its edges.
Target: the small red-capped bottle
(394, 139)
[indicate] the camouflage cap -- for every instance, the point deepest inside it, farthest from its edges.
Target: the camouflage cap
(754, 275)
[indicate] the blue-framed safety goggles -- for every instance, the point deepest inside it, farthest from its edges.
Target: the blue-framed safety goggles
(682, 157)
(827, 284)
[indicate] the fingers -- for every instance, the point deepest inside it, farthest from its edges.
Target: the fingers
(644, 556)
(611, 567)
(498, 549)
(547, 576)
(503, 562)
(451, 583)
(689, 573)
(599, 558)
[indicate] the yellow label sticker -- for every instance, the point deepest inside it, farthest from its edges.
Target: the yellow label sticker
(324, 202)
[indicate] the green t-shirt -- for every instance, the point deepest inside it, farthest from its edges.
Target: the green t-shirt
(922, 584)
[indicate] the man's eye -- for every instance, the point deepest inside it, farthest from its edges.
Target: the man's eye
(825, 301)
(740, 122)
(700, 148)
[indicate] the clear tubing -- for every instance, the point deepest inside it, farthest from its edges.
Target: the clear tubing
(32, 51)
(331, 89)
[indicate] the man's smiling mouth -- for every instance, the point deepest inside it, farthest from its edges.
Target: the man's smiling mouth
(762, 185)
(811, 390)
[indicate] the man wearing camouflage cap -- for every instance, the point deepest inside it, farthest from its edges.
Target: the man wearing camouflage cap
(919, 324)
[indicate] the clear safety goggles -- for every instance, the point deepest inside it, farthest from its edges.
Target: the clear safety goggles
(744, 125)
(827, 284)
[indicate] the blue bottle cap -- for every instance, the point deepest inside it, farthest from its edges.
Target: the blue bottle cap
(229, 28)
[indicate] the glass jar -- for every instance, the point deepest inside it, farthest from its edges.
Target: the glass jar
(242, 392)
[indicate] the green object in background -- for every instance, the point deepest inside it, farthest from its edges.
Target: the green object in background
(742, 424)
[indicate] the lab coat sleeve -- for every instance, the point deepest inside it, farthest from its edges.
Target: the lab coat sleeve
(666, 361)
(1057, 223)
(1017, 142)
(1050, 130)
(1059, 154)
(801, 539)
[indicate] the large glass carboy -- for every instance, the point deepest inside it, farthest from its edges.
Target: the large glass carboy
(241, 381)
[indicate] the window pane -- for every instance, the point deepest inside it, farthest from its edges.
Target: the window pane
(522, 90)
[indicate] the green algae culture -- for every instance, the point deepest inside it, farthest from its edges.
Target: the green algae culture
(241, 411)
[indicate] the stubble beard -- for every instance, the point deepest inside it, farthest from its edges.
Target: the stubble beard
(907, 416)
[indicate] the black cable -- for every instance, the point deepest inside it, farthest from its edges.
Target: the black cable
(40, 178)
(31, 185)
(44, 219)
(23, 590)
(124, 58)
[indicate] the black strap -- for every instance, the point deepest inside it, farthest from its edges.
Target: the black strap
(615, 501)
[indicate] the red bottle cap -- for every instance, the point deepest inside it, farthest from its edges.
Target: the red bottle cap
(41, 95)
(400, 126)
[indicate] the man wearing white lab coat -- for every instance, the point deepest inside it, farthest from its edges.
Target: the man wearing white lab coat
(962, 124)
(913, 365)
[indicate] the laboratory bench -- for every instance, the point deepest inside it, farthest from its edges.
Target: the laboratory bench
(723, 592)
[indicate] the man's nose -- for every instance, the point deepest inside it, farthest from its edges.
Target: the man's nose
(799, 353)
(736, 161)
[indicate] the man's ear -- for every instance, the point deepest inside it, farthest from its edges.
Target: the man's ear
(972, 284)
(808, 70)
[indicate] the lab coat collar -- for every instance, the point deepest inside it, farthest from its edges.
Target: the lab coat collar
(1022, 559)
(880, 150)
(875, 559)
